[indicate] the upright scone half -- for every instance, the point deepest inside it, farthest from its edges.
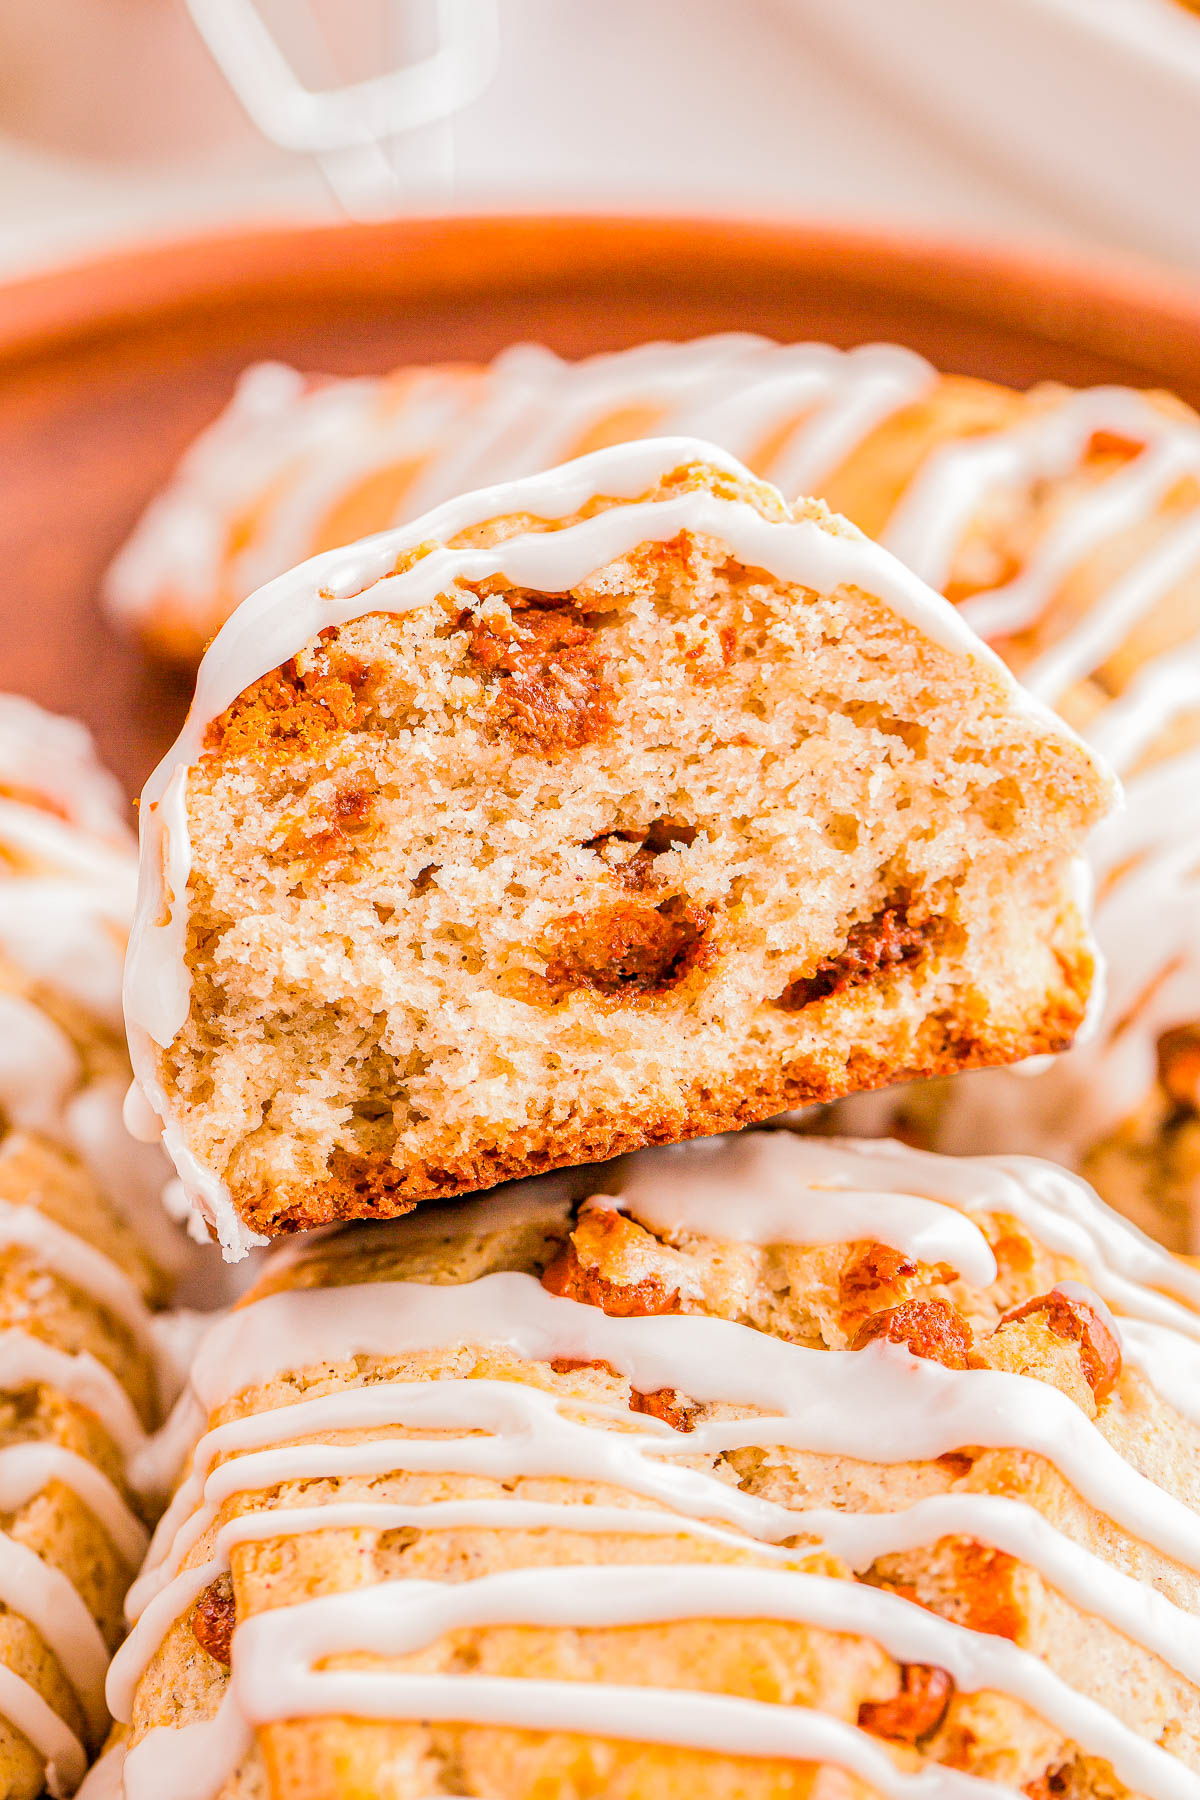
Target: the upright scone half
(778, 1467)
(617, 805)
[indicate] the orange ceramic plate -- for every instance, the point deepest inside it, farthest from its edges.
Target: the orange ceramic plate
(107, 370)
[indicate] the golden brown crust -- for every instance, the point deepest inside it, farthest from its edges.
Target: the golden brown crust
(374, 1187)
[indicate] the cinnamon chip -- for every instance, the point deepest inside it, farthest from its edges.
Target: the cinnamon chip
(213, 1619)
(916, 1712)
(665, 1404)
(1074, 1312)
(632, 949)
(929, 1328)
(547, 672)
(571, 1279)
(1050, 1786)
(886, 941)
(614, 1263)
(873, 1266)
(1179, 1066)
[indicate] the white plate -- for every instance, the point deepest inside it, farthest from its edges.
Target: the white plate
(1095, 102)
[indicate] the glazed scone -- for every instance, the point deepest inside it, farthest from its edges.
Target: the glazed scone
(296, 464)
(68, 882)
(894, 1492)
(82, 1373)
(1067, 525)
(1123, 1105)
(617, 806)
(966, 479)
(1081, 564)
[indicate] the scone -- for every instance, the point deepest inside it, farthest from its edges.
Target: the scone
(296, 464)
(776, 1468)
(82, 1374)
(1067, 525)
(1099, 614)
(615, 806)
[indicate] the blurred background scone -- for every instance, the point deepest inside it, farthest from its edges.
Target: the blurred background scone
(86, 1252)
(781, 1466)
(631, 806)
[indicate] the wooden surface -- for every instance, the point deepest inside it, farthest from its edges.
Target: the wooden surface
(106, 371)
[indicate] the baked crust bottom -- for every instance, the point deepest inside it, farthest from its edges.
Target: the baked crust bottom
(376, 1187)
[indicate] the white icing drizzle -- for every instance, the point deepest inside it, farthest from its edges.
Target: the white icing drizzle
(27, 1361)
(44, 755)
(103, 1780)
(209, 1753)
(765, 1188)
(129, 1173)
(67, 886)
(191, 1762)
(1155, 843)
(40, 1067)
(742, 392)
(1109, 622)
(860, 1539)
(26, 1468)
(773, 1187)
(1148, 866)
(878, 1404)
(933, 516)
(50, 1736)
(277, 621)
(81, 1265)
(292, 448)
(42, 1594)
(276, 1678)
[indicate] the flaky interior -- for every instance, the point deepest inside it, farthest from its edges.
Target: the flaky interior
(515, 880)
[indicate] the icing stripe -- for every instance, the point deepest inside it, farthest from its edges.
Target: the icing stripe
(79, 1264)
(758, 1189)
(45, 1597)
(876, 1405)
(26, 1468)
(277, 621)
(879, 1404)
(1129, 1605)
(207, 1754)
(54, 1741)
(275, 1652)
(29, 1362)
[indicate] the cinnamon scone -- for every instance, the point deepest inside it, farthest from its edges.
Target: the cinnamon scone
(297, 464)
(778, 1467)
(1066, 524)
(1072, 541)
(84, 1252)
(612, 807)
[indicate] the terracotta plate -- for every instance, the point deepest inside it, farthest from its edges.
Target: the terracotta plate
(106, 371)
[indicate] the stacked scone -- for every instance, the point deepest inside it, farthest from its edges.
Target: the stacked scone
(774, 1467)
(613, 806)
(85, 1253)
